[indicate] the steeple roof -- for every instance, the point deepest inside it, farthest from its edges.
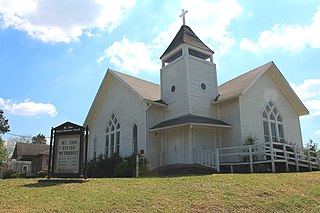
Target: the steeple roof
(186, 35)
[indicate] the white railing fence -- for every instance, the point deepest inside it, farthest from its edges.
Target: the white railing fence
(205, 157)
(271, 152)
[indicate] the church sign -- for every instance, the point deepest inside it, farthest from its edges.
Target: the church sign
(67, 154)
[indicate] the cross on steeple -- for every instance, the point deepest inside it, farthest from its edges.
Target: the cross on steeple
(183, 15)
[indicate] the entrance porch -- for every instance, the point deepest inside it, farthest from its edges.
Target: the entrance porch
(186, 140)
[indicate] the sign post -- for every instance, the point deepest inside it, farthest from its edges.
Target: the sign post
(68, 151)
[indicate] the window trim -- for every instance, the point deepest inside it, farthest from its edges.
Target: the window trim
(113, 136)
(273, 125)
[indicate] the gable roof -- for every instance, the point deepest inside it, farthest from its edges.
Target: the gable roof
(145, 90)
(241, 84)
(27, 150)
(236, 86)
(189, 120)
(186, 35)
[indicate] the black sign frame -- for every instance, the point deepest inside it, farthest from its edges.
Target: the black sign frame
(69, 129)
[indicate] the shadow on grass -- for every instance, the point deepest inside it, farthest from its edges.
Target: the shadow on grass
(52, 182)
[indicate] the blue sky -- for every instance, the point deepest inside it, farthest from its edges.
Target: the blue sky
(54, 53)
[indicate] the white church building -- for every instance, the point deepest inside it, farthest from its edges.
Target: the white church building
(188, 118)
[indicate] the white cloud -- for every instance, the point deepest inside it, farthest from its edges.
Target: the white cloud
(292, 38)
(246, 44)
(317, 132)
(207, 18)
(309, 92)
(130, 56)
(314, 107)
(60, 20)
(310, 88)
(28, 108)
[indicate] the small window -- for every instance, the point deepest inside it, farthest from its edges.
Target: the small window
(174, 57)
(25, 168)
(198, 54)
(173, 88)
(203, 86)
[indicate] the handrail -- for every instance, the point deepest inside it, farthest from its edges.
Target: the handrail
(276, 151)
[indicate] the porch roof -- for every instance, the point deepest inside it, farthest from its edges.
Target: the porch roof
(190, 120)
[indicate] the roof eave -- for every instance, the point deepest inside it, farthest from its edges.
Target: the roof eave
(191, 124)
(226, 99)
(155, 103)
(97, 101)
(287, 90)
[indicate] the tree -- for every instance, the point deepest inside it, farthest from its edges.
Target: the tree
(4, 127)
(39, 139)
(312, 146)
(3, 153)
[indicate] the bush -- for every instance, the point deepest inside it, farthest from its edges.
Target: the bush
(103, 166)
(126, 168)
(42, 173)
(13, 174)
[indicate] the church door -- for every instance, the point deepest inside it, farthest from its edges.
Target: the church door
(175, 147)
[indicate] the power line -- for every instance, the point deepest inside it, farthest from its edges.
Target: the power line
(25, 136)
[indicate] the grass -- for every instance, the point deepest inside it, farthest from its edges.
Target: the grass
(286, 192)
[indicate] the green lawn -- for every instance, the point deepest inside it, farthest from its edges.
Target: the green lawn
(289, 192)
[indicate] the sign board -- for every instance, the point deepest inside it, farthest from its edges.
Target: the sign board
(67, 154)
(67, 150)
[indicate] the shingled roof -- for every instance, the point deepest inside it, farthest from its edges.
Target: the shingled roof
(188, 120)
(186, 35)
(145, 89)
(25, 151)
(237, 85)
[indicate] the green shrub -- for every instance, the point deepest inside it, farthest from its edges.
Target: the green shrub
(102, 166)
(126, 168)
(42, 173)
(13, 174)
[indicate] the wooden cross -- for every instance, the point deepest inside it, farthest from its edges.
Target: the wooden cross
(183, 15)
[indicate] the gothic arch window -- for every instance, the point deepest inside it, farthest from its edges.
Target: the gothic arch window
(112, 137)
(135, 139)
(272, 124)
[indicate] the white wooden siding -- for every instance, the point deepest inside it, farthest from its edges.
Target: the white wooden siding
(154, 116)
(230, 113)
(175, 74)
(128, 108)
(201, 71)
(254, 101)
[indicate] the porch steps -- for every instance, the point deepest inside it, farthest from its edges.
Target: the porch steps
(182, 170)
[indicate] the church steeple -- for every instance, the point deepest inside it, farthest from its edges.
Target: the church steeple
(187, 36)
(188, 75)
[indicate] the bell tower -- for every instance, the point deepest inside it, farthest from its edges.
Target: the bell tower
(188, 75)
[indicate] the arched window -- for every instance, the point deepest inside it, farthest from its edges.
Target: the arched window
(272, 124)
(112, 137)
(135, 139)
